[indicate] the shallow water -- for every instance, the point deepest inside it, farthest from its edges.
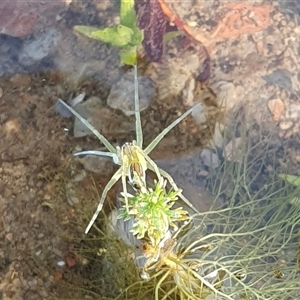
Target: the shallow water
(253, 64)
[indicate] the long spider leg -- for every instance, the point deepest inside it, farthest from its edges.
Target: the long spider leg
(154, 143)
(109, 185)
(99, 153)
(138, 124)
(151, 164)
(102, 138)
(173, 184)
(125, 190)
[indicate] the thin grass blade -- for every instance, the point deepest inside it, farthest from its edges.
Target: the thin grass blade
(154, 143)
(103, 139)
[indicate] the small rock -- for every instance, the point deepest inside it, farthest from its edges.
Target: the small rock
(79, 177)
(71, 194)
(233, 150)
(98, 164)
(62, 110)
(11, 125)
(293, 111)
(188, 92)
(78, 99)
(38, 252)
(218, 140)
(70, 259)
(276, 107)
(28, 99)
(80, 130)
(1, 92)
(280, 78)
(103, 119)
(284, 125)
(17, 283)
(199, 114)
(37, 50)
(20, 80)
(61, 263)
(122, 94)
(288, 134)
(32, 283)
(58, 276)
(209, 158)
(296, 128)
(9, 236)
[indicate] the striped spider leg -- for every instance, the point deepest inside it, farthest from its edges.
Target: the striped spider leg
(131, 157)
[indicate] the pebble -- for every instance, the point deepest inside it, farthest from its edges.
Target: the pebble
(61, 263)
(101, 118)
(9, 236)
(62, 110)
(80, 130)
(12, 126)
(293, 111)
(79, 177)
(45, 44)
(199, 114)
(122, 93)
(20, 80)
(284, 125)
(32, 283)
(276, 106)
(218, 139)
(98, 164)
(280, 78)
(17, 283)
(1, 92)
(71, 194)
(209, 158)
(233, 151)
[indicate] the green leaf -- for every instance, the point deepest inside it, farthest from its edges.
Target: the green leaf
(127, 13)
(294, 180)
(128, 56)
(118, 36)
(137, 37)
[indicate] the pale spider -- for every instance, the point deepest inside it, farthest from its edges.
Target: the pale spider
(132, 158)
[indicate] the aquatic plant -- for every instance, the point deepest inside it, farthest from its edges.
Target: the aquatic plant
(249, 249)
(152, 212)
(125, 35)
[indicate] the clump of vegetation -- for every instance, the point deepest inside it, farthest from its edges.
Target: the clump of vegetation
(152, 212)
(125, 35)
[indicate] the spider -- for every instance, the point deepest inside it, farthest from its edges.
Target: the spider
(132, 158)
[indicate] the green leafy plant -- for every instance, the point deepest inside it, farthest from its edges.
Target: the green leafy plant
(152, 212)
(291, 179)
(125, 35)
